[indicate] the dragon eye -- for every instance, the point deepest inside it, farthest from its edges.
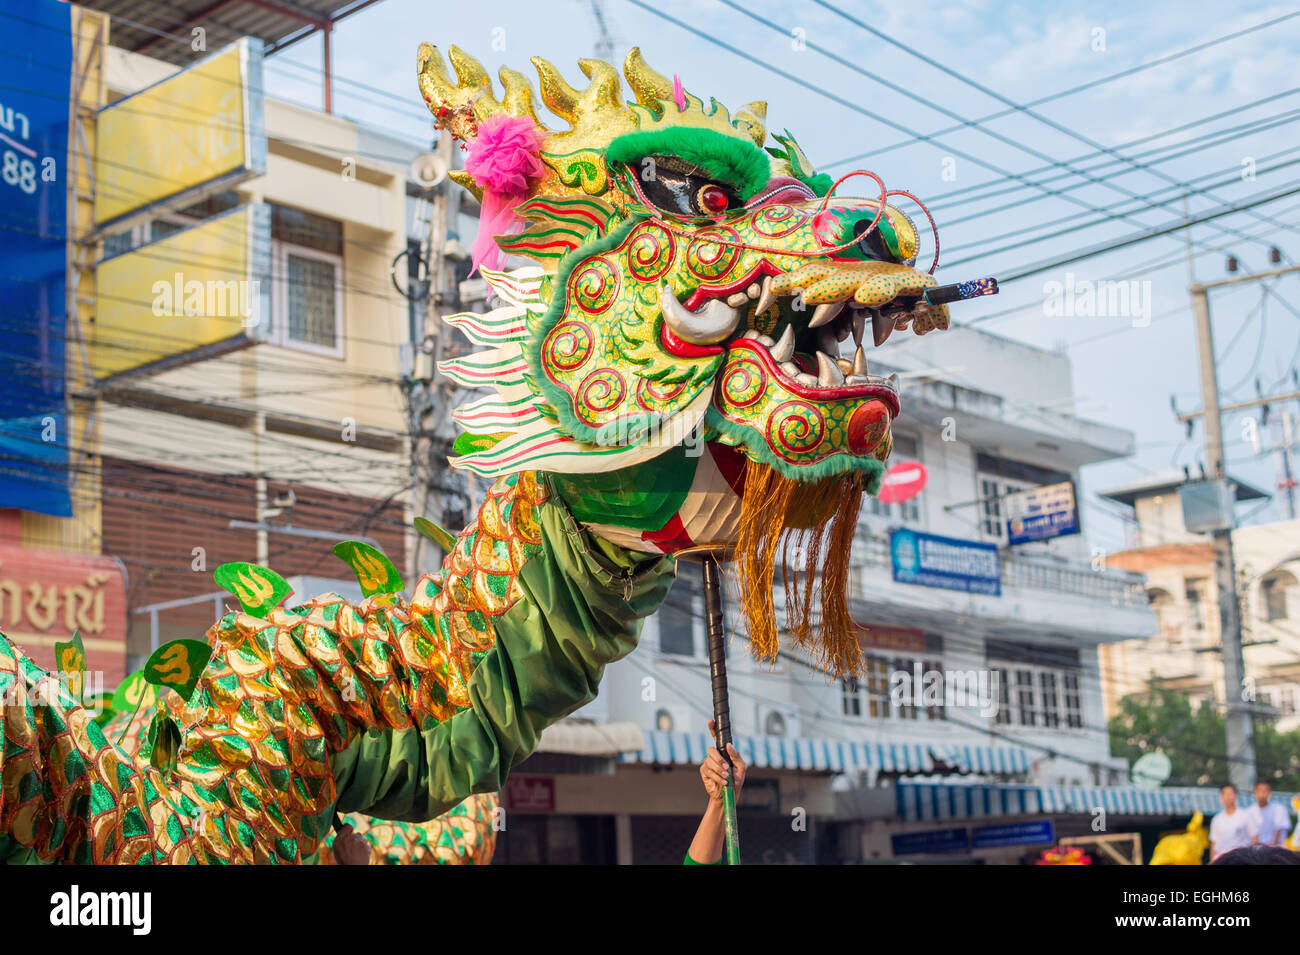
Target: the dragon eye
(713, 199)
(676, 187)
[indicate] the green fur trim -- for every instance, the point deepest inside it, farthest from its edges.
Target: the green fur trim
(737, 162)
(743, 437)
(820, 184)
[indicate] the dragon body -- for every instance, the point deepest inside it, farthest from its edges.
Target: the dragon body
(666, 378)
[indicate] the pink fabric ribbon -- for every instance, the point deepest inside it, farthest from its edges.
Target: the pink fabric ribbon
(503, 159)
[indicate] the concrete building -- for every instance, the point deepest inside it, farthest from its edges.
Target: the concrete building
(274, 451)
(1179, 568)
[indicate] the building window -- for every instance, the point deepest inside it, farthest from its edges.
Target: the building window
(677, 619)
(1196, 603)
(1167, 622)
(1026, 712)
(1039, 696)
(851, 696)
(1073, 700)
(1049, 695)
(877, 687)
(1273, 590)
(308, 253)
(934, 711)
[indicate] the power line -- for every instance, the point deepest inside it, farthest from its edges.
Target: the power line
(1091, 84)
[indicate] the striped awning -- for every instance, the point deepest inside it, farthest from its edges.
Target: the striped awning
(784, 752)
(1002, 760)
(935, 801)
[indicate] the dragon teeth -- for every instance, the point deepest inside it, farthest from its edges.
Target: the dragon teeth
(766, 300)
(753, 291)
(737, 299)
(860, 363)
(783, 350)
(857, 380)
(859, 325)
(881, 327)
(824, 313)
(752, 333)
(807, 380)
(844, 365)
(828, 373)
(791, 369)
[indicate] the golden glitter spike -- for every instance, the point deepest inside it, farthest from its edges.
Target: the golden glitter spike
(518, 98)
(605, 91)
(560, 98)
(752, 118)
(469, 71)
(459, 105)
(648, 84)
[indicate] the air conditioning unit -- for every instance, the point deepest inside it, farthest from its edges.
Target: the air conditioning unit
(672, 718)
(778, 720)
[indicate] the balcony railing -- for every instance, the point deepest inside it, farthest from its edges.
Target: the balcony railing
(1117, 587)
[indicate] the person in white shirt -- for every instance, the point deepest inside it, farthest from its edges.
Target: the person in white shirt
(1269, 819)
(1232, 828)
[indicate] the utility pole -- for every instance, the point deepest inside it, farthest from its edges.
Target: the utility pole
(1286, 482)
(1237, 715)
(434, 397)
(1237, 712)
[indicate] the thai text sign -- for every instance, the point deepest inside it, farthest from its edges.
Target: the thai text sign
(198, 130)
(929, 560)
(47, 596)
(1041, 513)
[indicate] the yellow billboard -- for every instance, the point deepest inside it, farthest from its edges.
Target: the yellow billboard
(197, 131)
(191, 295)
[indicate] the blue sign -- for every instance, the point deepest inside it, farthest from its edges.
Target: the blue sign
(1015, 834)
(1041, 513)
(935, 840)
(929, 560)
(35, 77)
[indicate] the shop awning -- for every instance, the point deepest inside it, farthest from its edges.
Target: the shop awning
(1003, 760)
(785, 752)
(590, 739)
(918, 802)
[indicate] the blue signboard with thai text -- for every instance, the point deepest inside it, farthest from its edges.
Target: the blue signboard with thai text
(35, 72)
(929, 560)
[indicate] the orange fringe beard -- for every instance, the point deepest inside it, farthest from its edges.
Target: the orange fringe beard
(813, 526)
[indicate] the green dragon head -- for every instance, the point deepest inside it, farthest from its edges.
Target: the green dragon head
(690, 284)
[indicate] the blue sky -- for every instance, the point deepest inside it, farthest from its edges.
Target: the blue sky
(1123, 374)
